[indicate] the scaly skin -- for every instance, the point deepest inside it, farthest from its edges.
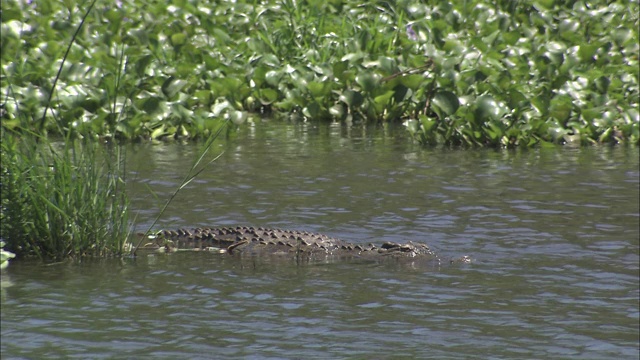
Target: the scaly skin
(259, 241)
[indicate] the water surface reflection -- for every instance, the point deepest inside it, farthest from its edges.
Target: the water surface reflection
(553, 234)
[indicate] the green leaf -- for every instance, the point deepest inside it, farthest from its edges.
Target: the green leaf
(270, 60)
(388, 65)
(353, 99)
(622, 35)
(273, 77)
(516, 99)
(339, 69)
(317, 89)
(172, 86)
(446, 101)
(587, 51)
(602, 84)
(560, 107)
(368, 81)
(337, 111)
(267, 96)
(541, 103)
(152, 105)
(229, 85)
(428, 124)
(204, 96)
(259, 75)
(487, 108)
(544, 4)
(158, 132)
(413, 82)
(312, 110)
(178, 39)
(221, 36)
(383, 100)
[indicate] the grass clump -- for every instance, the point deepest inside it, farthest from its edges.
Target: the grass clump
(61, 200)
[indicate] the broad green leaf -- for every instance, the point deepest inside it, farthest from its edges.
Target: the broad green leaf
(221, 36)
(560, 107)
(337, 111)
(622, 36)
(152, 105)
(487, 108)
(602, 84)
(238, 117)
(178, 39)
(368, 81)
(158, 132)
(428, 124)
(267, 96)
(270, 60)
(230, 85)
(516, 99)
(388, 65)
(511, 37)
(400, 93)
(273, 77)
(259, 75)
(338, 70)
(172, 86)
(568, 26)
(587, 51)
(446, 101)
(312, 111)
(383, 100)
(317, 89)
(204, 96)
(413, 81)
(352, 98)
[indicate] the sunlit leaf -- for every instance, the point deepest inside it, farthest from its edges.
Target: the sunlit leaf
(172, 86)
(587, 51)
(273, 77)
(178, 39)
(383, 99)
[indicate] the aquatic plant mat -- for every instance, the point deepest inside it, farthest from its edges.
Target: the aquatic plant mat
(486, 73)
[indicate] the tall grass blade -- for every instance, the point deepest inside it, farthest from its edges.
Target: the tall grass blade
(191, 174)
(64, 59)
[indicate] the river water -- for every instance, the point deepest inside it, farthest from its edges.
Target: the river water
(553, 234)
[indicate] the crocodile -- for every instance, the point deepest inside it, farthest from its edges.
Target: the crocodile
(245, 241)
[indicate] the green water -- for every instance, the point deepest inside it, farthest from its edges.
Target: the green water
(553, 235)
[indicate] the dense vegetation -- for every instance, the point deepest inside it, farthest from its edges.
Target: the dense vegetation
(490, 73)
(61, 200)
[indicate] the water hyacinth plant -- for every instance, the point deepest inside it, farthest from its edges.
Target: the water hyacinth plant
(487, 73)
